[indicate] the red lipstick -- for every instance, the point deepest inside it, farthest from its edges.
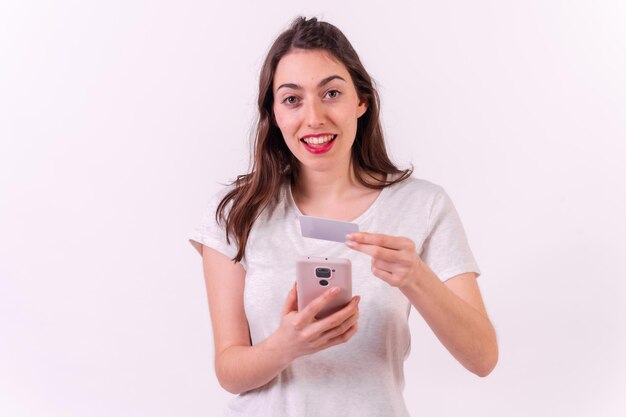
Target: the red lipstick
(318, 148)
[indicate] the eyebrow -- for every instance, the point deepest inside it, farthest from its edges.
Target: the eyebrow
(321, 83)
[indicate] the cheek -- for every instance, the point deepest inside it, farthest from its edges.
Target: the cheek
(347, 118)
(283, 121)
(286, 126)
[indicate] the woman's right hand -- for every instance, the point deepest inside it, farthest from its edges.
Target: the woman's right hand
(300, 333)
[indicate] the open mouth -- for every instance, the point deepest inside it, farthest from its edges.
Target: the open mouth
(318, 144)
(318, 140)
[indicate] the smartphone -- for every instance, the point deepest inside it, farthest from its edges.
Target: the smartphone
(317, 275)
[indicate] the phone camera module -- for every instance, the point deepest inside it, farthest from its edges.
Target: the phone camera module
(322, 272)
(323, 283)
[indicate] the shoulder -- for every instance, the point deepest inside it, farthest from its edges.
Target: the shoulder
(224, 189)
(414, 187)
(219, 193)
(229, 196)
(213, 199)
(420, 197)
(412, 198)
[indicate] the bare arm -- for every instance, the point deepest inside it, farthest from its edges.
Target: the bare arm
(239, 365)
(454, 310)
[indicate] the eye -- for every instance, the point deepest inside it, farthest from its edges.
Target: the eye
(332, 94)
(291, 100)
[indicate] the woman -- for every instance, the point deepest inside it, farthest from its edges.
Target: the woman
(319, 151)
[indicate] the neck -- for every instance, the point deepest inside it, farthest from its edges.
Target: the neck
(325, 185)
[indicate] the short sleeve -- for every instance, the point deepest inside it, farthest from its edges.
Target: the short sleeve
(446, 249)
(211, 233)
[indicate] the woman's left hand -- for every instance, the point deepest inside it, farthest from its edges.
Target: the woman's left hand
(394, 258)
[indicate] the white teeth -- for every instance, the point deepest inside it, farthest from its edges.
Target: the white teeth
(318, 140)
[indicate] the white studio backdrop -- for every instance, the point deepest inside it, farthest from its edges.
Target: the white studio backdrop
(119, 119)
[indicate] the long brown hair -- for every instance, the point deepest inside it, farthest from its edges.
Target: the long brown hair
(273, 164)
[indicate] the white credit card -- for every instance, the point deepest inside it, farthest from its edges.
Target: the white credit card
(326, 229)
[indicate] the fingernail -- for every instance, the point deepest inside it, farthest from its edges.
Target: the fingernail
(358, 300)
(350, 243)
(335, 290)
(350, 236)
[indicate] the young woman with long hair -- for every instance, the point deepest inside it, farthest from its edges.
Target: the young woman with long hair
(319, 151)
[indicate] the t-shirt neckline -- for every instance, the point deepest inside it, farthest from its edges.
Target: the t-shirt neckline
(359, 219)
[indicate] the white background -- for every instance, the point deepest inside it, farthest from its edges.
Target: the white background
(119, 119)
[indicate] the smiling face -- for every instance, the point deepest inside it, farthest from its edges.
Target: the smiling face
(316, 108)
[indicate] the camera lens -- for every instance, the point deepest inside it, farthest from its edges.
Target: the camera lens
(323, 282)
(322, 272)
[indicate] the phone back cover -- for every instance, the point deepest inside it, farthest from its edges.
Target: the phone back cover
(309, 287)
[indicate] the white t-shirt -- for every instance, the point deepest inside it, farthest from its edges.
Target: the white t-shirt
(364, 376)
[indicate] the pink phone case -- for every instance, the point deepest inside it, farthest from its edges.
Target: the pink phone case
(316, 275)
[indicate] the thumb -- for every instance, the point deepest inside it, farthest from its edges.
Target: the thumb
(291, 304)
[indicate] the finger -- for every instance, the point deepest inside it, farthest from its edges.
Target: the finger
(315, 306)
(291, 303)
(382, 274)
(379, 239)
(342, 338)
(375, 251)
(338, 317)
(341, 329)
(384, 265)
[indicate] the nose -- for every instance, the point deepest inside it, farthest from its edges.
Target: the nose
(314, 114)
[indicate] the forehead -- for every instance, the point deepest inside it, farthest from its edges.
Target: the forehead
(307, 67)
